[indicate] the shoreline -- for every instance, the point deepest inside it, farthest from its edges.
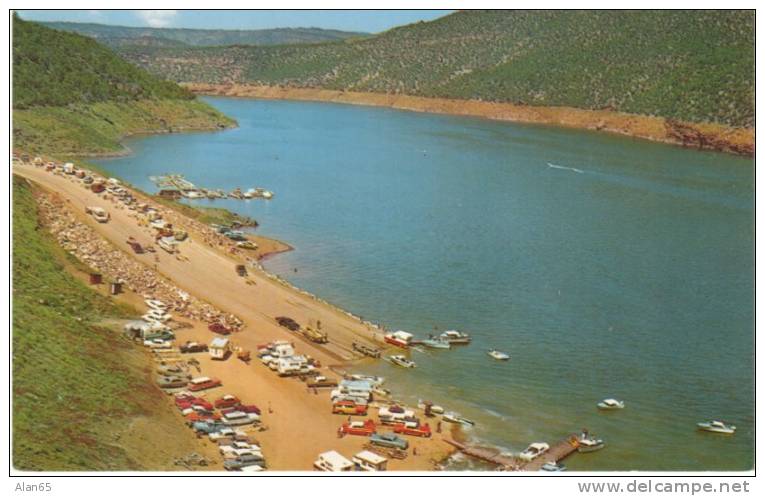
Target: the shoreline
(702, 136)
(205, 270)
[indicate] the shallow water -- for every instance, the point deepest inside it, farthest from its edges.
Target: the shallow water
(606, 266)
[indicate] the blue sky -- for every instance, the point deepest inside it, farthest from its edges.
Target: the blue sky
(347, 20)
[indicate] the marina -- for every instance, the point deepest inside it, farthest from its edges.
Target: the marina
(177, 186)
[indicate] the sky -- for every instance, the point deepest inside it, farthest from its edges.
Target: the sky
(346, 20)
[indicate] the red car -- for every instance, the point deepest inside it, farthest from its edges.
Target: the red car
(202, 383)
(227, 401)
(201, 416)
(182, 405)
(219, 328)
(242, 408)
(358, 428)
(413, 429)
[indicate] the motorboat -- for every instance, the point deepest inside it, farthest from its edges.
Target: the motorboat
(589, 444)
(422, 405)
(498, 355)
(717, 426)
(193, 194)
(437, 343)
(533, 451)
(402, 361)
(455, 337)
(553, 467)
(611, 404)
(399, 338)
(456, 418)
(374, 379)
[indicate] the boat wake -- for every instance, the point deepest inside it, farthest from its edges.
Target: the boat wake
(563, 167)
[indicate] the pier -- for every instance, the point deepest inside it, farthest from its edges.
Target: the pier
(556, 453)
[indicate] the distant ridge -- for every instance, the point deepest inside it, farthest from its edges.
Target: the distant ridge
(119, 36)
(693, 66)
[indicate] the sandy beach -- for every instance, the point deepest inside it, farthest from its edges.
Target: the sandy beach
(708, 136)
(300, 424)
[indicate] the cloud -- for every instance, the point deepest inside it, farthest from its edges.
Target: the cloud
(157, 18)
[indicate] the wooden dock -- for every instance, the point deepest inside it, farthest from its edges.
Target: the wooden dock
(556, 453)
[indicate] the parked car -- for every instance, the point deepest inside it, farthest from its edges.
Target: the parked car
(242, 408)
(388, 440)
(193, 347)
(207, 426)
(202, 383)
(358, 428)
(349, 408)
(413, 429)
(288, 323)
(241, 270)
(227, 401)
(244, 461)
(219, 328)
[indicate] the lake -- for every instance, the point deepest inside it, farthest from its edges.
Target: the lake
(605, 266)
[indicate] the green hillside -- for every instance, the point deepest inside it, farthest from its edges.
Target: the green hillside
(124, 35)
(73, 95)
(695, 66)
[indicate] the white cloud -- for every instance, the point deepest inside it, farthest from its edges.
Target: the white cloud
(157, 18)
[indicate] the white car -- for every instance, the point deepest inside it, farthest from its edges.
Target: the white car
(533, 451)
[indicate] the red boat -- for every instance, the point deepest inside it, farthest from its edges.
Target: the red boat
(358, 428)
(413, 429)
(399, 338)
(227, 401)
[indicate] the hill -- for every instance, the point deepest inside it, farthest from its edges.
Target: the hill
(125, 35)
(73, 95)
(695, 66)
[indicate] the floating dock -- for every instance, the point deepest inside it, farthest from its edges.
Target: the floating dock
(556, 453)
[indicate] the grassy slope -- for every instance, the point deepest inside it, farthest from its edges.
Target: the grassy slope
(68, 372)
(72, 95)
(696, 66)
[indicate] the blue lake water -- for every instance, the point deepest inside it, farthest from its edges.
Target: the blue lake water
(606, 266)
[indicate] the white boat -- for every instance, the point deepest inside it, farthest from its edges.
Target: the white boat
(399, 338)
(533, 451)
(456, 418)
(589, 444)
(437, 343)
(402, 361)
(455, 337)
(498, 355)
(611, 404)
(717, 426)
(193, 194)
(374, 379)
(433, 408)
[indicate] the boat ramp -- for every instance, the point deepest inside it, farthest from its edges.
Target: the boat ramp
(555, 454)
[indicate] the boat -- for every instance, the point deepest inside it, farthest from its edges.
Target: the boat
(424, 405)
(193, 194)
(402, 361)
(589, 444)
(399, 338)
(553, 467)
(498, 355)
(456, 418)
(374, 379)
(437, 343)
(611, 404)
(717, 426)
(236, 194)
(247, 245)
(455, 337)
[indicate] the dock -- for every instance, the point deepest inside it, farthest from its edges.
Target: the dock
(556, 453)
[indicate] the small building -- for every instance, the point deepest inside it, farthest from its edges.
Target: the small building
(372, 462)
(220, 348)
